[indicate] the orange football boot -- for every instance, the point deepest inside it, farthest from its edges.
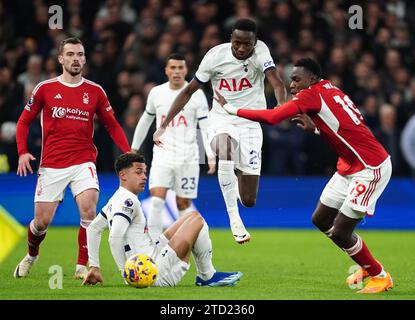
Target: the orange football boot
(376, 284)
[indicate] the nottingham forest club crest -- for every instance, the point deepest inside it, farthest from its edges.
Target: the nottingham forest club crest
(85, 98)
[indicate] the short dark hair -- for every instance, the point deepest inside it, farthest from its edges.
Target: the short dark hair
(126, 161)
(311, 65)
(175, 56)
(72, 40)
(245, 25)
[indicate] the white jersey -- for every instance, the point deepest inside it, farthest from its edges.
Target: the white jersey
(179, 140)
(126, 204)
(240, 82)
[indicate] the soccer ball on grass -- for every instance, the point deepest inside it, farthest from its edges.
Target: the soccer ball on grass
(140, 271)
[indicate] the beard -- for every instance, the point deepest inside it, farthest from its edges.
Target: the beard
(72, 71)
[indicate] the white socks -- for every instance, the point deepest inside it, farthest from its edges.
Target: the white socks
(202, 252)
(35, 231)
(228, 185)
(155, 218)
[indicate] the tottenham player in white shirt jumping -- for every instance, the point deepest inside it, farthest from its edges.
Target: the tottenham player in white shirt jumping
(176, 165)
(237, 70)
(171, 251)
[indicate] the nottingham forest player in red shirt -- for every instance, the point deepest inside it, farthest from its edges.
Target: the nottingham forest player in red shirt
(67, 105)
(363, 169)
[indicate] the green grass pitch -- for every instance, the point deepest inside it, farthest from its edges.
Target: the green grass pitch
(277, 264)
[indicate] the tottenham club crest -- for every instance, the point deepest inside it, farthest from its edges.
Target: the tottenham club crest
(85, 98)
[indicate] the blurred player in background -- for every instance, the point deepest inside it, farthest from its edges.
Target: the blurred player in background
(363, 168)
(237, 69)
(171, 251)
(176, 165)
(67, 105)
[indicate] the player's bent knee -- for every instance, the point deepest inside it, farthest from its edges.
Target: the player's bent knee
(196, 215)
(317, 221)
(41, 224)
(198, 220)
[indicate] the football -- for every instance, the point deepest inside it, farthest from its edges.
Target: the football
(140, 271)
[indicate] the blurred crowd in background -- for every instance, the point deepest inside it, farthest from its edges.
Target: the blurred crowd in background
(127, 41)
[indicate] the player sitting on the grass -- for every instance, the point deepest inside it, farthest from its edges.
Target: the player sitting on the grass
(363, 170)
(171, 251)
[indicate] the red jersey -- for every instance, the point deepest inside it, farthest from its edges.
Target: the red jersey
(67, 119)
(339, 121)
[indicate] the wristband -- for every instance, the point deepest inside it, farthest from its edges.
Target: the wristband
(230, 109)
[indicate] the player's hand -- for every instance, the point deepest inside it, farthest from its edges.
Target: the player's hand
(24, 164)
(304, 122)
(219, 98)
(93, 277)
(156, 136)
(211, 165)
(224, 104)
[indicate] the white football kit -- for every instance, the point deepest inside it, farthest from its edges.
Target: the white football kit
(175, 165)
(125, 219)
(241, 83)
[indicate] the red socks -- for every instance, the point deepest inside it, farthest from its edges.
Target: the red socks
(82, 247)
(34, 238)
(362, 256)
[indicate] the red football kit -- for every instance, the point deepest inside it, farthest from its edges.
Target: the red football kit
(339, 121)
(67, 119)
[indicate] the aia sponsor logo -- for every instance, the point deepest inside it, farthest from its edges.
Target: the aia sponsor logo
(234, 84)
(71, 113)
(176, 122)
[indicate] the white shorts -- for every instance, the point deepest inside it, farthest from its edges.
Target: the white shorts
(247, 151)
(183, 179)
(52, 183)
(355, 195)
(171, 269)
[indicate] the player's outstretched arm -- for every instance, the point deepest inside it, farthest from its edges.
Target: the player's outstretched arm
(116, 239)
(268, 116)
(278, 84)
(94, 233)
(177, 105)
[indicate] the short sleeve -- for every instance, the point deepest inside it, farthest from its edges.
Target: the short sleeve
(307, 101)
(150, 105)
(264, 58)
(204, 73)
